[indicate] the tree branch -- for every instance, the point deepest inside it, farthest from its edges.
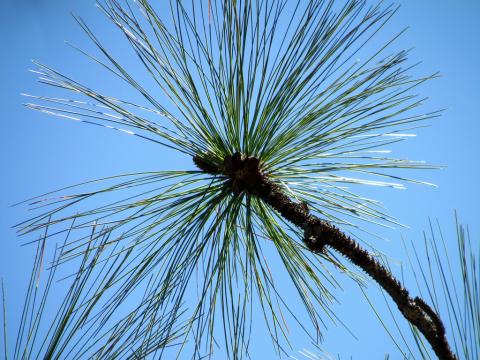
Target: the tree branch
(244, 174)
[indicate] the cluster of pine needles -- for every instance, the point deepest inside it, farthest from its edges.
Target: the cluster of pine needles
(173, 258)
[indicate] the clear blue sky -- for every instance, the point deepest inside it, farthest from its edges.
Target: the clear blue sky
(41, 153)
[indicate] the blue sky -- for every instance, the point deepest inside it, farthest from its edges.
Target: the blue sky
(40, 153)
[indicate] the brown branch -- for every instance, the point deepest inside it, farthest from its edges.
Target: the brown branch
(244, 174)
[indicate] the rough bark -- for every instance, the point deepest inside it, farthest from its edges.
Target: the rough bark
(244, 174)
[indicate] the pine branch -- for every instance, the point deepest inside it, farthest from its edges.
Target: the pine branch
(244, 174)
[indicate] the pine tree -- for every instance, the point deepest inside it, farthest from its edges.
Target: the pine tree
(279, 117)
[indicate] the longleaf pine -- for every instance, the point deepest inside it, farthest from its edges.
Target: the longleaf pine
(284, 123)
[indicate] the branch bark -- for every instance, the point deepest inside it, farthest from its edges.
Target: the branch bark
(244, 174)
